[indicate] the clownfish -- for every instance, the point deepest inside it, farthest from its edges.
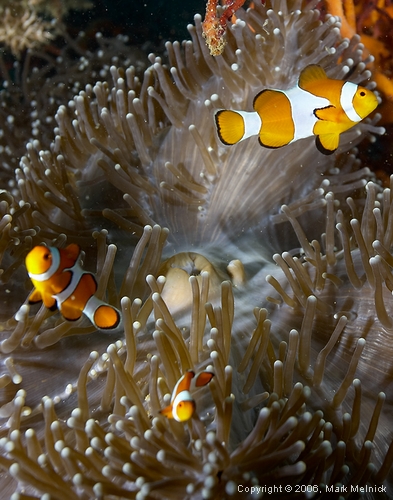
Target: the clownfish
(318, 106)
(182, 403)
(60, 282)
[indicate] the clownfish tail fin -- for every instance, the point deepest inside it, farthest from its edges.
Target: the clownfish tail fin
(102, 315)
(107, 317)
(230, 126)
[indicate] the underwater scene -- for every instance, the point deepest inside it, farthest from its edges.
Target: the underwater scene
(196, 249)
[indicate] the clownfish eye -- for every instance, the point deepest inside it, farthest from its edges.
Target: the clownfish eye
(46, 256)
(362, 93)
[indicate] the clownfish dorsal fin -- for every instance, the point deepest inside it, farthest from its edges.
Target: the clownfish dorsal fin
(263, 100)
(274, 109)
(183, 383)
(311, 74)
(73, 250)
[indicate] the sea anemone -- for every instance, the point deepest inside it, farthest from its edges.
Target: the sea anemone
(27, 24)
(272, 268)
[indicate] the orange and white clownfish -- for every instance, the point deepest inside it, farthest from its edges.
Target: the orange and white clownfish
(182, 403)
(60, 282)
(318, 106)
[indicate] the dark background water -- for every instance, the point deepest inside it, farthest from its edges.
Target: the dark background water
(152, 21)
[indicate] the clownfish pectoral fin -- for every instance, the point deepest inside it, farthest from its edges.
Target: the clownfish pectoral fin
(326, 114)
(49, 301)
(230, 126)
(102, 315)
(167, 412)
(310, 75)
(203, 378)
(327, 143)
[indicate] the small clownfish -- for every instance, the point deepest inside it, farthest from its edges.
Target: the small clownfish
(182, 403)
(318, 106)
(60, 282)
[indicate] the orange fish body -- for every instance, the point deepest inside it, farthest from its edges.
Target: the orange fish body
(182, 404)
(318, 106)
(60, 282)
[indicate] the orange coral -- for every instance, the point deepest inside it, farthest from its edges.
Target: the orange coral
(373, 21)
(214, 27)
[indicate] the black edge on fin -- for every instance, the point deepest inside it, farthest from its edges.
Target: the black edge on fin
(321, 148)
(52, 308)
(256, 97)
(32, 302)
(315, 112)
(70, 319)
(269, 147)
(216, 115)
